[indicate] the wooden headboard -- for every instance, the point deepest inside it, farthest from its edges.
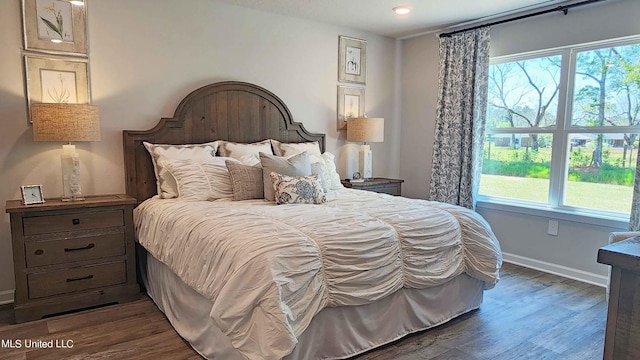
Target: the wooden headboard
(233, 111)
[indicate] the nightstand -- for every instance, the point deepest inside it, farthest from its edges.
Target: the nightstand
(623, 315)
(72, 255)
(379, 185)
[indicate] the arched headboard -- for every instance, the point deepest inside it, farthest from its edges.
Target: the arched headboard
(233, 111)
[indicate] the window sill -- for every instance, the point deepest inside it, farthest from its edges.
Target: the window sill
(545, 211)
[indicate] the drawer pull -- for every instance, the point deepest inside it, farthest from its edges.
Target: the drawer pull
(75, 221)
(90, 246)
(80, 278)
(39, 252)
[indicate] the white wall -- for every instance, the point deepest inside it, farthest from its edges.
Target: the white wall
(420, 68)
(146, 55)
(523, 236)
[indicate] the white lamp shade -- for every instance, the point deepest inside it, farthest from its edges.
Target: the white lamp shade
(365, 129)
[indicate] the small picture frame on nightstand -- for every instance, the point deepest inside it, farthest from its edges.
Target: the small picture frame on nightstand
(356, 177)
(32, 194)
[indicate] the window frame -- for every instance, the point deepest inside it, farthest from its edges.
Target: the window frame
(558, 171)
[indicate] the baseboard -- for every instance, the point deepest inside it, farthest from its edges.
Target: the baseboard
(6, 297)
(564, 271)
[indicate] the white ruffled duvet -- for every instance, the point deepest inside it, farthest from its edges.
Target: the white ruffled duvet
(269, 269)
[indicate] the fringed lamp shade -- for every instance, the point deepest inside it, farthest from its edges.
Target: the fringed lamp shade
(65, 122)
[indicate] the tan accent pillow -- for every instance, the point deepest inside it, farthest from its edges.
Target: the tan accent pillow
(296, 165)
(246, 181)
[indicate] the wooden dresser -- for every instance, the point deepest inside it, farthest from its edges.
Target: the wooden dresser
(72, 255)
(379, 185)
(622, 339)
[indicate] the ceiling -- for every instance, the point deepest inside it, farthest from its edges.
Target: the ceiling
(377, 17)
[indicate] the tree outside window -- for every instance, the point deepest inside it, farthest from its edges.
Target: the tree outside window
(575, 154)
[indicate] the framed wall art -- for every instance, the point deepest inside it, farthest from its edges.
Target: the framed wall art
(350, 104)
(55, 26)
(352, 60)
(56, 80)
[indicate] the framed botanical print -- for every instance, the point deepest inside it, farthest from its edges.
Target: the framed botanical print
(56, 80)
(350, 104)
(55, 26)
(352, 60)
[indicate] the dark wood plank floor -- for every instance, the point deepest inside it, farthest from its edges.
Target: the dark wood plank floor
(529, 315)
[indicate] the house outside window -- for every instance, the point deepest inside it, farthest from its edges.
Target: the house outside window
(563, 127)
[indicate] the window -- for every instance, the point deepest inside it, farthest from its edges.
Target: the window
(563, 128)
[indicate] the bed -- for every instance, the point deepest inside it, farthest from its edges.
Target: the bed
(254, 280)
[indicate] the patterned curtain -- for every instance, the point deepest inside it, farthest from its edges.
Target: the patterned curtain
(634, 221)
(460, 117)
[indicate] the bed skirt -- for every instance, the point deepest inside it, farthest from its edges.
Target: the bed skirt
(334, 333)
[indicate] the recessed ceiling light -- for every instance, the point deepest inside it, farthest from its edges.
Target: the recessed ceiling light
(77, 2)
(401, 10)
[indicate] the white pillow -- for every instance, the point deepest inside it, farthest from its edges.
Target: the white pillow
(290, 149)
(202, 180)
(329, 172)
(249, 159)
(238, 150)
(296, 165)
(163, 153)
(320, 169)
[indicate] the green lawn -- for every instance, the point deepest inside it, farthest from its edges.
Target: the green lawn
(612, 156)
(581, 194)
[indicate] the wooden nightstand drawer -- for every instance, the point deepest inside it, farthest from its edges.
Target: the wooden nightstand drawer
(76, 279)
(392, 189)
(74, 221)
(75, 249)
(379, 185)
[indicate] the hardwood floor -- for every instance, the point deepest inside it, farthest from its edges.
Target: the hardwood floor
(529, 315)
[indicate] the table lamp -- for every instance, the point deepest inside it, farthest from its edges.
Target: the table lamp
(66, 122)
(366, 130)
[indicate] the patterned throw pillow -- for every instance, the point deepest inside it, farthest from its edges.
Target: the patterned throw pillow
(297, 189)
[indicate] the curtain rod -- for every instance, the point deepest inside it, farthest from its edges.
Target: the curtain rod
(563, 8)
